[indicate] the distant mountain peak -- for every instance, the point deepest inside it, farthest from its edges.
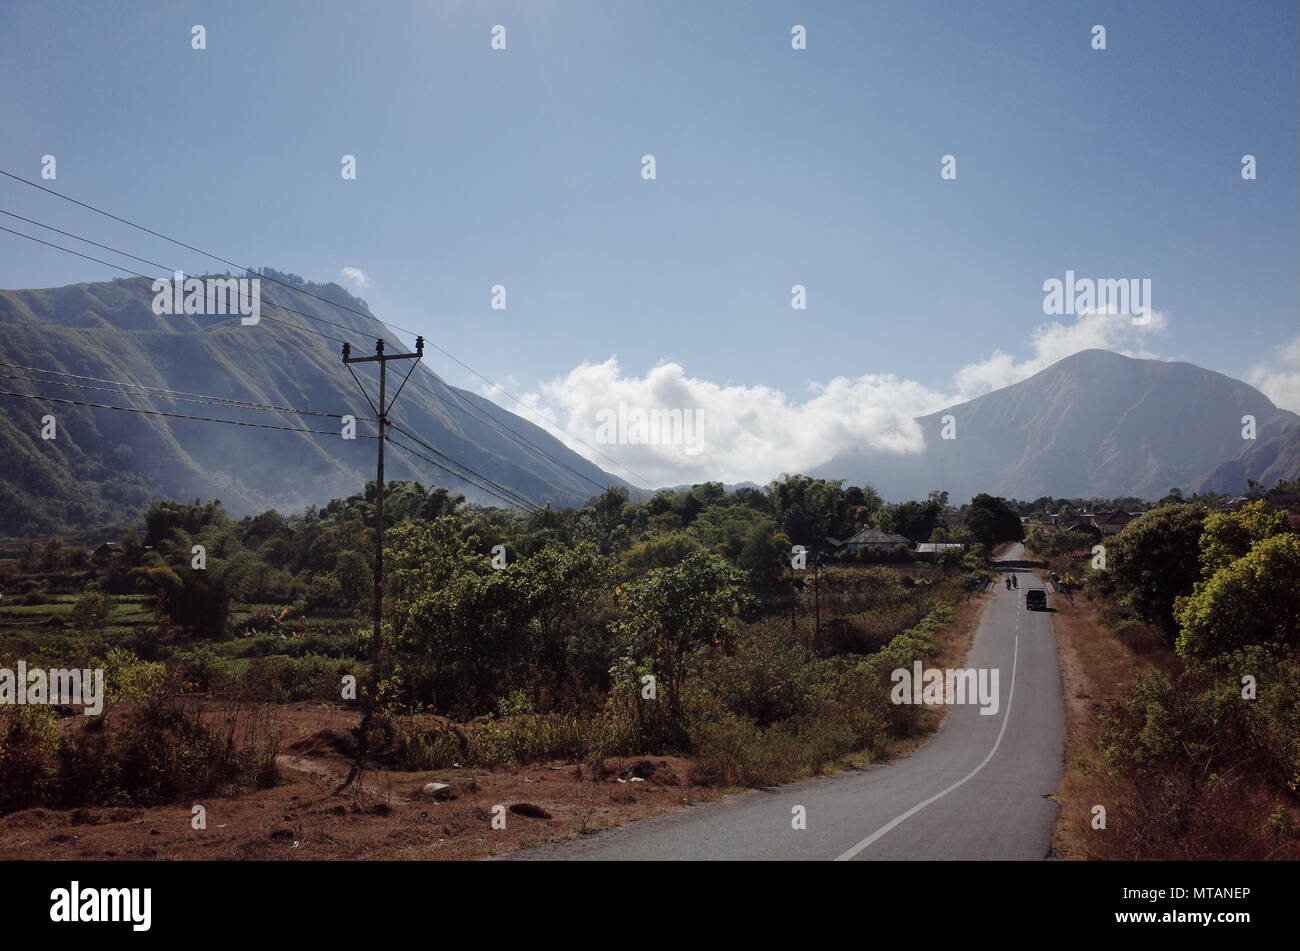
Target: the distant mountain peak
(1095, 423)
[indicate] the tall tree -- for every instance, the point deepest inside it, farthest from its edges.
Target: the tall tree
(1253, 600)
(674, 611)
(1155, 559)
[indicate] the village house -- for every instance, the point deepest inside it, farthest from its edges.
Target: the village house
(1112, 522)
(108, 551)
(875, 540)
(929, 551)
(1086, 527)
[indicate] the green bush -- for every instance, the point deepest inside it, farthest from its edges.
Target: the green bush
(29, 743)
(1180, 747)
(729, 748)
(201, 667)
(427, 742)
(90, 613)
(158, 751)
(281, 679)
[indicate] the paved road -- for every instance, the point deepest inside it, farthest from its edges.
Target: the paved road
(977, 790)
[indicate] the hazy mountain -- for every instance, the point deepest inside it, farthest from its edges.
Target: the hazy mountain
(1266, 462)
(104, 465)
(1094, 424)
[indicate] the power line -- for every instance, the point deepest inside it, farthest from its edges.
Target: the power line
(460, 477)
(165, 267)
(59, 247)
(491, 421)
(498, 425)
(322, 432)
(163, 393)
(190, 247)
(409, 435)
(156, 396)
(157, 412)
(224, 400)
(539, 415)
(170, 270)
(77, 237)
(420, 442)
(301, 290)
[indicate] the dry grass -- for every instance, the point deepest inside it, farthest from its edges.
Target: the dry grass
(1096, 670)
(1229, 816)
(316, 814)
(1099, 657)
(957, 642)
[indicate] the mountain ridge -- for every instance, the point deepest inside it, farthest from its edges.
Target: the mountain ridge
(103, 466)
(1095, 423)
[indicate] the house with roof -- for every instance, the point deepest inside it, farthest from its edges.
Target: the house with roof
(872, 539)
(1086, 527)
(1112, 523)
(108, 551)
(930, 551)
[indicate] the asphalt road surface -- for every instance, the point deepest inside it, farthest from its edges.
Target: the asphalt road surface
(977, 790)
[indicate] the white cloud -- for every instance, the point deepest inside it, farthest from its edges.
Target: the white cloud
(745, 432)
(356, 276)
(1055, 341)
(754, 433)
(1279, 377)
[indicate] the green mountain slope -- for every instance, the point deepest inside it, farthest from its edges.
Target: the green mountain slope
(104, 465)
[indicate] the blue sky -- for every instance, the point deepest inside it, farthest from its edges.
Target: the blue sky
(774, 167)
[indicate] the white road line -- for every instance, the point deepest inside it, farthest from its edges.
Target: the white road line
(1015, 657)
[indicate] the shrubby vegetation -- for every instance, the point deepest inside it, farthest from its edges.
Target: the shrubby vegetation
(669, 624)
(1201, 759)
(157, 749)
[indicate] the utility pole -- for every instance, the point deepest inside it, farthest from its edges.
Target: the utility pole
(793, 602)
(817, 606)
(381, 413)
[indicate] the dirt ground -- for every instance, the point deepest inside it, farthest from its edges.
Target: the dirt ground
(315, 814)
(384, 816)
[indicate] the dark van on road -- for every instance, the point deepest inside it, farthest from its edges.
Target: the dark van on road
(1036, 599)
